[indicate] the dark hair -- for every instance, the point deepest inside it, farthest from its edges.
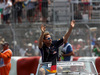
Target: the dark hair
(45, 34)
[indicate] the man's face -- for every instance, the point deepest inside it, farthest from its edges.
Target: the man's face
(48, 39)
(30, 47)
(5, 46)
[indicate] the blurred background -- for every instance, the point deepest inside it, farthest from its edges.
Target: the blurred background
(20, 22)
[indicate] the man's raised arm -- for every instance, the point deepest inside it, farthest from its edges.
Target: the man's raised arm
(66, 36)
(43, 28)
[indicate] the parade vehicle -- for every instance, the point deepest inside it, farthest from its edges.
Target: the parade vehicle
(72, 68)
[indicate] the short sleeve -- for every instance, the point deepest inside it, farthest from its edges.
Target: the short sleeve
(9, 3)
(94, 49)
(59, 42)
(69, 49)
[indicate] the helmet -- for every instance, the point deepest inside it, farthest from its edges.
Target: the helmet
(5, 43)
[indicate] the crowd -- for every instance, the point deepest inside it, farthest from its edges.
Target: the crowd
(26, 49)
(45, 47)
(86, 6)
(37, 10)
(84, 9)
(34, 8)
(82, 46)
(30, 50)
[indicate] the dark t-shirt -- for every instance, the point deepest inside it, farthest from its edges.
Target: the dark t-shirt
(13, 1)
(18, 6)
(30, 52)
(48, 54)
(96, 52)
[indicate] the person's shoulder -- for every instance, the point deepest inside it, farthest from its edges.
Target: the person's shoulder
(54, 41)
(8, 51)
(95, 49)
(57, 40)
(67, 44)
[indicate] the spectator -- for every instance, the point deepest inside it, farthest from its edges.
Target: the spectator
(18, 10)
(38, 15)
(93, 39)
(96, 48)
(1, 5)
(14, 10)
(96, 5)
(40, 8)
(31, 6)
(30, 51)
(87, 6)
(36, 49)
(67, 51)
(5, 59)
(1, 10)
(7, 11)
(45, 9)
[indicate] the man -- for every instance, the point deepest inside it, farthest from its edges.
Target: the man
(36, 48)
(96, 48)
(7, 11)
(5, 59)
(49, 48)
(45, 10)
(31, 6)
(67, 51)
(29, 51)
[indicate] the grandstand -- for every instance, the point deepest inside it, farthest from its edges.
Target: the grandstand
(61, 12)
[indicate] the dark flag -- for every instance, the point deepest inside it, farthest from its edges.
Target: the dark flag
(53, 67)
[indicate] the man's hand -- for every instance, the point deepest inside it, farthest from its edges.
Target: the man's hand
(43, 28)
(72, 23)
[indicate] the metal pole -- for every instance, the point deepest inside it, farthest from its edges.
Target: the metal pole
(13, 32)
(90, 37)
(54, 12)
(72, 12)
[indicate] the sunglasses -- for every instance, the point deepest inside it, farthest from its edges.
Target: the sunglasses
(48, 38)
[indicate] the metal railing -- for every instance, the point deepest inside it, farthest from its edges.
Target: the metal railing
(60, 13)
(86, 12)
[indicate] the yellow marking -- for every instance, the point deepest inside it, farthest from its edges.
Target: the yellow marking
(54, 71)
